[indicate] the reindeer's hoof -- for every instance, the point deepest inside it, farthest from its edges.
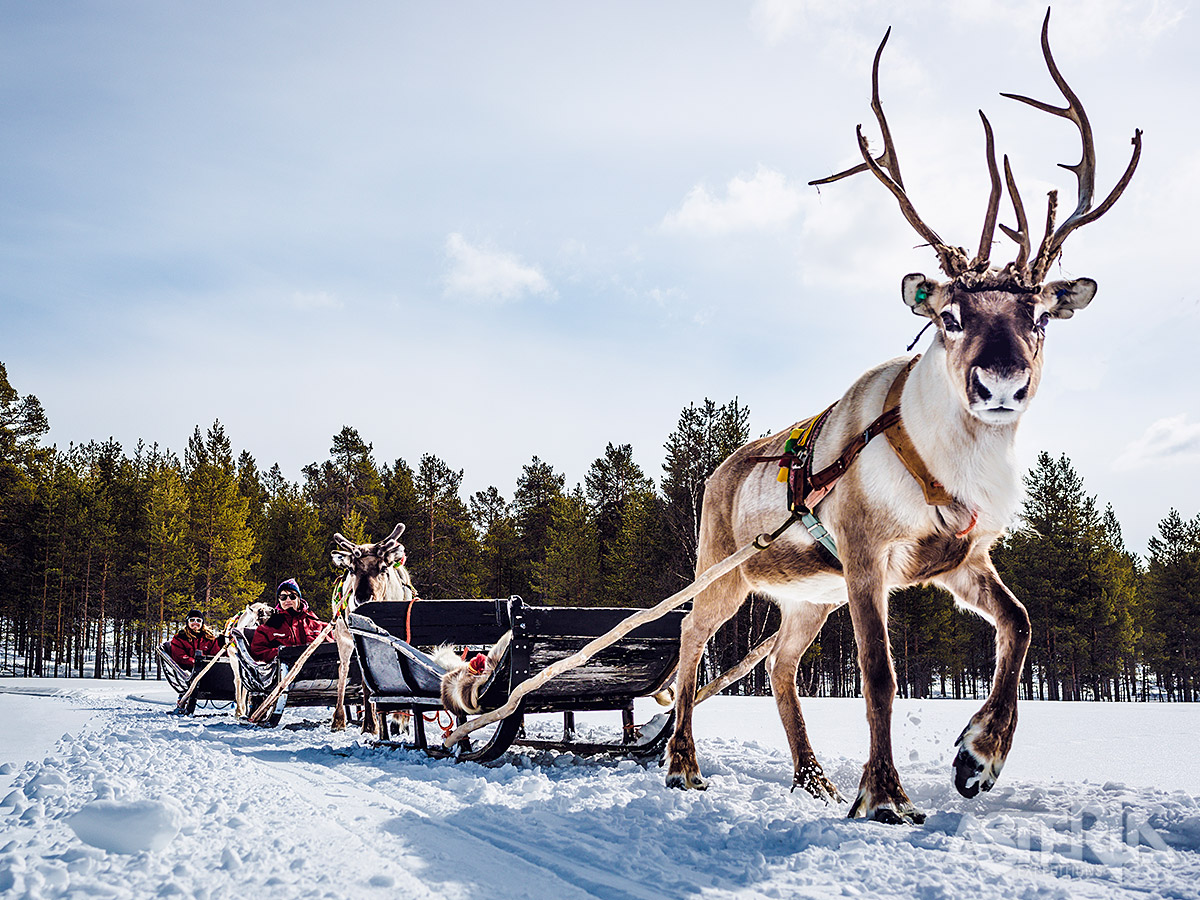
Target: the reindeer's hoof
(889, 812)
(812, 780)
(692, 782)
(889, 816)
(974, 771)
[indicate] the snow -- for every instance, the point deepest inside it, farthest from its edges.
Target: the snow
(1096, 801)
(127, 827)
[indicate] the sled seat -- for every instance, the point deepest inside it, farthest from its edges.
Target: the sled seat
(217, 684)
(315, 686)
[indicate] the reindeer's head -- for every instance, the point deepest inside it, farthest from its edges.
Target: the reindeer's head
(372, 566)
(991, 321)
(991, 337)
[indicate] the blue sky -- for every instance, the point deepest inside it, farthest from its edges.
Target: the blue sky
(489, 231)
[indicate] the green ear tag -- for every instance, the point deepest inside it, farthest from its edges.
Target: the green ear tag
(922, 295)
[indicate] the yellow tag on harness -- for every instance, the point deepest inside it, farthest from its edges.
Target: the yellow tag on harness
(794, 443)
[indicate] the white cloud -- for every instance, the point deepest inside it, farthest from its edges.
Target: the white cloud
(485, 273)
(763, 202)
(1173, 439)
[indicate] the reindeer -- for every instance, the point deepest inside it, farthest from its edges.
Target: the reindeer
(925, 509)
(376, 572)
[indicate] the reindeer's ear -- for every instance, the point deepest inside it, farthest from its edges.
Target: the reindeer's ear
(341, 558)
(1060, 299)
(394, 554)
(919, 294)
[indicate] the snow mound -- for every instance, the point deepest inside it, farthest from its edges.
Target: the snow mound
(130, 827)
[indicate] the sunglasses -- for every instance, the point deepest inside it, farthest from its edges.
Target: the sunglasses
(194, 619)
(289, 595)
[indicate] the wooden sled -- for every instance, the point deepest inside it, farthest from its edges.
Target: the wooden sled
(315, 686)
(216, 685)
(403, 678)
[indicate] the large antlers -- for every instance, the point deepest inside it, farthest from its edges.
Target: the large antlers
(1085, 169)
(887, 169)
(954, 261)
(387, 545)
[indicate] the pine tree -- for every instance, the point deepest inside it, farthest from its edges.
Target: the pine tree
(1062, 562)
(1172, 588)
(291, 544)
(634, 564)
(217, 526)
(704, 437)
(496, 531)
(533, 506)
(250, 486)
(399, 503)
(446, 563)
(347, 482)
(22, 467)
(610, 482)
(170, 556)
(570, 573)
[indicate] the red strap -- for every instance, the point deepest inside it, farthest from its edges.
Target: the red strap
(408, 620)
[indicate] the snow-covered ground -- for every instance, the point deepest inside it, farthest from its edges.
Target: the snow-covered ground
(1097, 801)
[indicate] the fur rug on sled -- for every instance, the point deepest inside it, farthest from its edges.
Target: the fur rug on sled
(465, 678)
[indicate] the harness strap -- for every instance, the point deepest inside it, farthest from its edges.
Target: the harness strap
(898, 437)
(806, 489)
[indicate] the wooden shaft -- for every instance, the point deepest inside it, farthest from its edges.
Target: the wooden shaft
(738, 672)
(590, 649)
(196, 681)
(259, 714)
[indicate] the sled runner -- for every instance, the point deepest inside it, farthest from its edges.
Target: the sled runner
(316, 685)
(403, 678)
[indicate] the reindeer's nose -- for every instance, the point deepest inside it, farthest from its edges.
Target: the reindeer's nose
(994, 390)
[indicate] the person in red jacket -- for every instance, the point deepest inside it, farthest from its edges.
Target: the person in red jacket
(194, 640)
(292, 625)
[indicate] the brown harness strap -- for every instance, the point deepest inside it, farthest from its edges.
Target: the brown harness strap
(807, 489)
(897, 435)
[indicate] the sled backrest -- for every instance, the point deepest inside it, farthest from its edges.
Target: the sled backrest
(639, 664)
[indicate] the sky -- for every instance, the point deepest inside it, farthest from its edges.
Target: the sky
(492, 231)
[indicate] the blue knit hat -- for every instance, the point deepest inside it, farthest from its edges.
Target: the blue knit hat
(289, 585)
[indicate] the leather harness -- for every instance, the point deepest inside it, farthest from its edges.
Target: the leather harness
(806, 489)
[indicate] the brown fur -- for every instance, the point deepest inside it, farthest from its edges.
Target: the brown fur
(462, 684)
(376, 572)
(960, 407)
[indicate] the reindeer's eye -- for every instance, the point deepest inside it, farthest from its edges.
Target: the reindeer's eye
(1042, 322)
(950, 323)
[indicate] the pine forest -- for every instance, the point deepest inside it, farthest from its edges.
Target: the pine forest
(104, 548)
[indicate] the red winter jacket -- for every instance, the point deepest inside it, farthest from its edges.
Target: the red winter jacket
(186, 647)
(287, 628)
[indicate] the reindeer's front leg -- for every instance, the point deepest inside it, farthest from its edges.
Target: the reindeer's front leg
(984, 743)
(880, 795)
(710, 610)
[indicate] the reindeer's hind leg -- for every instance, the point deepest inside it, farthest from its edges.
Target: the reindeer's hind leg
(345, 645)
(711, 609)
(801, 622)
(984, 743)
